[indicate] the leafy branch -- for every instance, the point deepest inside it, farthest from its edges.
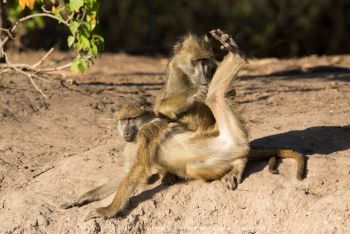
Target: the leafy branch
(78, 16)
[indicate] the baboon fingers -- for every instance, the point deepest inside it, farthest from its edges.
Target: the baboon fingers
(68, 205)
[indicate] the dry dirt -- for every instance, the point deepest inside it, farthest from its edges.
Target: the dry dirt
(51, 150)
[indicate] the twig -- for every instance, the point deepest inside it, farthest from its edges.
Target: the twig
(29, 76)
(45, 10)
(43, 15)
(42, 172)
(25, 18)
(33, 69)
(43, 58)
(52, 69)
(7, 31)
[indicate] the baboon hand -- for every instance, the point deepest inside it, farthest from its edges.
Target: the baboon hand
(93, 215)
(67, 205)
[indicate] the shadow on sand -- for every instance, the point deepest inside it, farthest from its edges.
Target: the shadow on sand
(314, 140)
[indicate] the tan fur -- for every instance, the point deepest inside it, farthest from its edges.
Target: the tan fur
(128, 111)
(174, 147)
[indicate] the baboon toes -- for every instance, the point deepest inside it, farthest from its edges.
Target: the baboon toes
(230, 182)
(226, 41)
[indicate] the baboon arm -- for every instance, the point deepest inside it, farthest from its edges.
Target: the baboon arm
(172, 106)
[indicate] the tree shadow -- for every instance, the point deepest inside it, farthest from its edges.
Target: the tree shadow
(339, 73)
(314, 140)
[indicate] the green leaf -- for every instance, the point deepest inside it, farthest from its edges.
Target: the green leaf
(85, 29)
(99, 41)
(30, 24)
(90, 4)
(93, 48)
(83, 66)
(75, 67)
(92, 19)
(79, 65)
(84, 43)
(75, 5)
(73, 27)
(58, 13)
(39, 22)
(70, 41)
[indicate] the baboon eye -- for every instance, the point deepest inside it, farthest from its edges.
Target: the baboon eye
(194, 62)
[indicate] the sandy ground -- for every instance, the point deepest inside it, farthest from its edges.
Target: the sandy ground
(55, 149)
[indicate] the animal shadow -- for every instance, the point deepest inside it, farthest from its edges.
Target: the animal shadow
(314, 140)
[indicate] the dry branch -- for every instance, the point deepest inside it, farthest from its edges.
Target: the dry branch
(34, 70)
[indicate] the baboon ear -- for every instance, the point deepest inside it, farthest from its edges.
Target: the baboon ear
(144, 102)
(177, 47)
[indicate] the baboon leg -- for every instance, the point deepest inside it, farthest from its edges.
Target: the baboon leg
(210, 169)
(136, 176)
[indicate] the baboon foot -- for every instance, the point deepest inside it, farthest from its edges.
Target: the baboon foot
(230, 181)
(226, 41)
(169, 179)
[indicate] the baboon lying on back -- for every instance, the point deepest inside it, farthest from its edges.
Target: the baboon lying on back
(130, 119)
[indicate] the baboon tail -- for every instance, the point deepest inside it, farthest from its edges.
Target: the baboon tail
(280, 153)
